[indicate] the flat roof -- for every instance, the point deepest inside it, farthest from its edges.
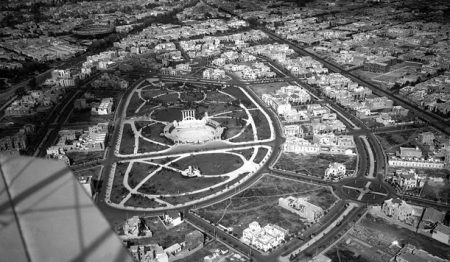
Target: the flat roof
(46, 215)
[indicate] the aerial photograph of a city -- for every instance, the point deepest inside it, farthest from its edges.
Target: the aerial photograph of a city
(225, 130)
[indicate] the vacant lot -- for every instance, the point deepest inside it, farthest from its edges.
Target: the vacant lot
(437, 191)
(314, 165)
(80, 157)
(238, 94)
(261, 89)
(163, 236)
(391, 142)
(260, 203)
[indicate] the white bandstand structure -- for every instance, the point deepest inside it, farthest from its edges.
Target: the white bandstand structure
(193, 131)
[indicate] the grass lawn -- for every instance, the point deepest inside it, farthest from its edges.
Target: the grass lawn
(153, 132)
(262, 152)
(137, 200)
(247, 153)
(210, 164)
(168, 98)
(147, 147)
(80, 157)
(215, 97)
(238, 94)
(192, 96)
(167, 181)
(216, 108)
(119, 192)
(167, 114)
(246, 136)
(262, 125)
(162, 161)
(183, 199)
(150, 93)
(141, 124)
(127, 142)
(134, 104)
(314, 165)
(138, 172)
(260, 203)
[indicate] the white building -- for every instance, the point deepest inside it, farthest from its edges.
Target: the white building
(300, 146)
(264, 238)
(442, 234)
(104, 108)
(335, 171)
(301, 207)
(172, 219)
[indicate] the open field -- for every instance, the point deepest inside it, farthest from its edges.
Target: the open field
(314, 165)
(167, 181)
(261, 89)
(80, 157)
(260, 203)
(210, 164)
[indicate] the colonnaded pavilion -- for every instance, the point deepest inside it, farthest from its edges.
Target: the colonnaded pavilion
(193, 131)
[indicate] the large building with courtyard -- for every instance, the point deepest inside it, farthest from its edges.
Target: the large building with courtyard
(193, 131)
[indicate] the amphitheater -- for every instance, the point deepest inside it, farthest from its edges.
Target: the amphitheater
(193, 131)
